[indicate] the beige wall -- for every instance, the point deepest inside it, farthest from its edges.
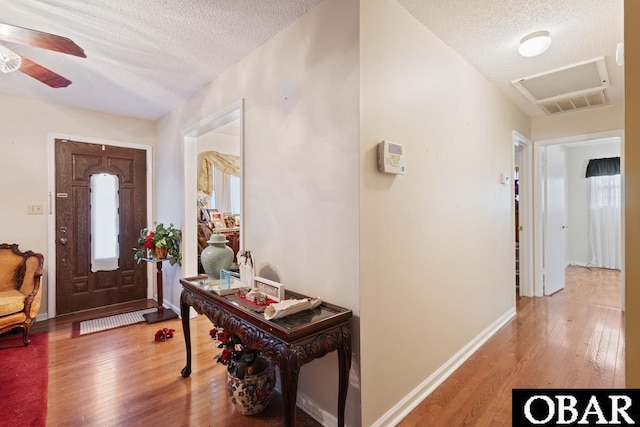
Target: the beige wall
(301, 169)
(632, 190)
(24, 165)
(582, 122)
(436, 264)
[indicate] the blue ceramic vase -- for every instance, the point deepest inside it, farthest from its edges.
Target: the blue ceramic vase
(217, 256)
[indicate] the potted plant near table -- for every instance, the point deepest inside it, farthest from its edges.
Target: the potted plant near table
(159, 242)
(250, 376)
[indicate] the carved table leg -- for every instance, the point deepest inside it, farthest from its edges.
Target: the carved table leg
(344, 366)
(186, 329)
(289, 367)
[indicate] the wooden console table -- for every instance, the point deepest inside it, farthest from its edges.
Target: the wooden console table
(291, 341)
(162, 313)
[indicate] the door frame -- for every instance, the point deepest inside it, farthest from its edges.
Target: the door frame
(51, 206)
(190, 136)
(525, 211)
(538, 202)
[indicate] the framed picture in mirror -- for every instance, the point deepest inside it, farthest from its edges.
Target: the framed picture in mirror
(219, 224)
(214, 215)
(229, 221)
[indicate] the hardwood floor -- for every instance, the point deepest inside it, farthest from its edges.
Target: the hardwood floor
(122, 377)
(572, 339)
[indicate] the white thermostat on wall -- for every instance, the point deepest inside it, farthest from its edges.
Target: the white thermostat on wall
(391, 158)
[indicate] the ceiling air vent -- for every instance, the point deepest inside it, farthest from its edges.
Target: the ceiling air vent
(569, 88)
(575, 102)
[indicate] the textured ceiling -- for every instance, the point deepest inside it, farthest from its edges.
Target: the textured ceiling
(146, 56)
(487, 34)
(143, 56)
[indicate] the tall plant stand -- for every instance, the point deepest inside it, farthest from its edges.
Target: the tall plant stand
(162, 313)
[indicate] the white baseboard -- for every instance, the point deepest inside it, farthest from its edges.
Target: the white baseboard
(323, 417)
(176, 309)
(42, 316)
(172, 307)
(417, 395)
(579, 264)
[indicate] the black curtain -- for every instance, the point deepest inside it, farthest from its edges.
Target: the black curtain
(600, 167)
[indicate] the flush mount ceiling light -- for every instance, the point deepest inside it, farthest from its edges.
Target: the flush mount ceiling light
(9, 61)
(534, 44)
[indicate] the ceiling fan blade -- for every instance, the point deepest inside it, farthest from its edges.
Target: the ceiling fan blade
(14, 34)
(43, 74)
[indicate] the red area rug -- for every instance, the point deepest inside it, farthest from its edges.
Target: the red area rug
(24, 376)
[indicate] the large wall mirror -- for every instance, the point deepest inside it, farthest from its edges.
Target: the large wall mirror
(214, 196)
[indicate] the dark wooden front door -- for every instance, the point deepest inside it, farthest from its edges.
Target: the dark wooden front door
(77, 287)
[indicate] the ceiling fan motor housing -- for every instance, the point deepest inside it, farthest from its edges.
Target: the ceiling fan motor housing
(9, 61)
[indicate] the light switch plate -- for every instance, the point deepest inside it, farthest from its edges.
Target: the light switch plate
(35, 209)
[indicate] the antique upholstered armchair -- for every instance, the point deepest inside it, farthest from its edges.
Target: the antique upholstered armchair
(20, 291)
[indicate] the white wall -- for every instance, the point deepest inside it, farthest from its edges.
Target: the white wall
(301, 169)
(23, 162)
(577, 158)
(437, 252)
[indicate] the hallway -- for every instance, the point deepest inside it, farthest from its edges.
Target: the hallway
(573, 339)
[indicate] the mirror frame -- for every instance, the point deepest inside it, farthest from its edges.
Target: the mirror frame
(190, 167)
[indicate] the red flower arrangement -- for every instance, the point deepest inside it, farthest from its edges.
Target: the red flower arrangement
(250, 377)
(159, 237)
(239, 360)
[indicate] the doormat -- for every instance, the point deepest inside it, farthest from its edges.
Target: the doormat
(24, 378)
(100, 324)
